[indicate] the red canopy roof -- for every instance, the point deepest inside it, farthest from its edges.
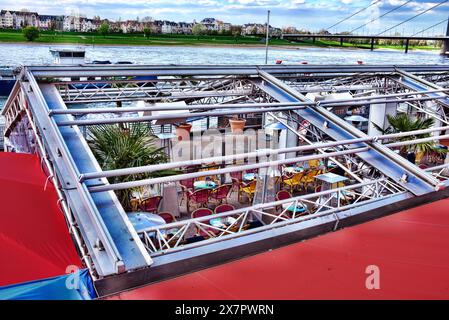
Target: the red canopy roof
(410, 248)
(34, 239)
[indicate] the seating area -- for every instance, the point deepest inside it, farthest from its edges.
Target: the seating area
(216, 194)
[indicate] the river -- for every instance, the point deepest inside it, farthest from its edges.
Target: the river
(28, 54)
(38, 54)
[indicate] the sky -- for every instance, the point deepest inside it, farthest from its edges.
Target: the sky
(307, 14)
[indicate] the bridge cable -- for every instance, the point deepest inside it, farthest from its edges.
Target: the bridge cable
(383, 15)
(347, 18)
(436, 24)
(415, 16)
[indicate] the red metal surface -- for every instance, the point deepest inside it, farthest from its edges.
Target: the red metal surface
(411, 249)
(34, 239)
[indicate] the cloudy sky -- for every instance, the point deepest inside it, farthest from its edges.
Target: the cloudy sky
(309, 14)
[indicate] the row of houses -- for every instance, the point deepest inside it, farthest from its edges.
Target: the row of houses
(10, 19)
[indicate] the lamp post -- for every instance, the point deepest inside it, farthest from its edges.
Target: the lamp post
(267, 37)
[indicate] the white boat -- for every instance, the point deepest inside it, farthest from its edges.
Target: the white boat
(68, 55)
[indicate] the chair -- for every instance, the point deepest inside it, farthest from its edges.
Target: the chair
(313, 164)
(237, 175)
(167, 216)
(210, 167)
(200, 197)
(294, 181)
(203, 212)
(224, 208)
(282, 195)
(186, 185)
(248, 188)
(255, 171)
(309, 178)
(151, 204)
(221, 193)
(236, 178)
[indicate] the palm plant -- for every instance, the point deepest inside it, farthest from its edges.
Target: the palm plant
(404, 123)
(131, 145)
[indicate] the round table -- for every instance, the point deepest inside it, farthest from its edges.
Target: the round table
(222, 222)
(291, 208)
(204, 185)
(293, 169)
(144, 220)
(249, 176)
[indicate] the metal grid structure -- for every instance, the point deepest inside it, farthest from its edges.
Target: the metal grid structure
(54, 98)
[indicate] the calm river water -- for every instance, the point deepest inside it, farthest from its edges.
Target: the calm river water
(27, 54)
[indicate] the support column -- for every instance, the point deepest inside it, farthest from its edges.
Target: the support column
(313, 39)
(372, 44)
(378, 115)
(445, 49)
(407, 41)
(341, 42)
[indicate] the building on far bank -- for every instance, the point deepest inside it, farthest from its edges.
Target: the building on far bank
(18, 19)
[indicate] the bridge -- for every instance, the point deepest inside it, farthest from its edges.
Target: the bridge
(372, 38)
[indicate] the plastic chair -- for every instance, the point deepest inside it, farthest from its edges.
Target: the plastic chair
(282, 195)
(224, 208)
(309, 178)
(167, 216)
(237, 175)
(221, 193)
(151, 204)
(198, 197)
(204, 212)
(313, 164)
(294, 182)
(186, 186)
(249, 189)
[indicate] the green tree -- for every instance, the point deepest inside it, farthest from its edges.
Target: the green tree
(31, 33)
(147, 32)
(104, 29)
(198, 30)
(129, 145)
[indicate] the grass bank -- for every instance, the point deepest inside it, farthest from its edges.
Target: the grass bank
(16, 36)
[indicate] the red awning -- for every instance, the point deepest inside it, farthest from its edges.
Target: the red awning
(411, 249)
(34, 239)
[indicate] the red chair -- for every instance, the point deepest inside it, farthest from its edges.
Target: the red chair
(255, 171)
(167, 216)
(198, 197)
(204, 212)
(282, 195)
(187, 183)
(237, 175)
(151, 204)
(221, 193)
(224, 208)
(186, 186)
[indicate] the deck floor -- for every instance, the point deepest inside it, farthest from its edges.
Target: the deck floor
(410, 248)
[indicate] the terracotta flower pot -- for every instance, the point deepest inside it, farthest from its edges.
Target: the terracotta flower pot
(237, 125)
(444, 142)
(183, 131)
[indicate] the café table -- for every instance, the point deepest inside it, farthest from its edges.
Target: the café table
(222, 222)
(145, 220)
(291, 207)
(293, 170)
(249, 177)
(204, 185)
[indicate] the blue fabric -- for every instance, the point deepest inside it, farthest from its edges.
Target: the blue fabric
(57, 288)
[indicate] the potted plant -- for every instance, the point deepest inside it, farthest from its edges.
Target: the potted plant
(115, 148)
(405, 123)
(237, 124)
(183, 131)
